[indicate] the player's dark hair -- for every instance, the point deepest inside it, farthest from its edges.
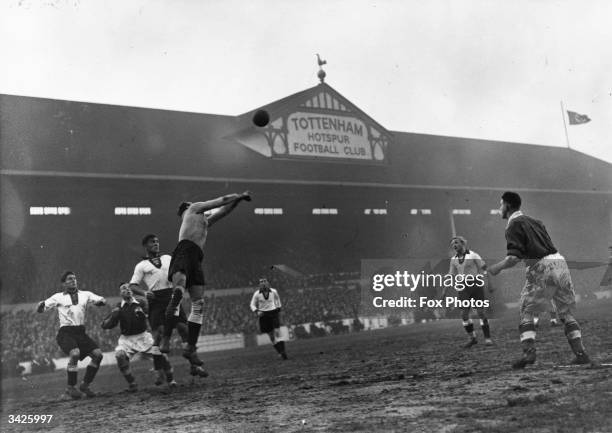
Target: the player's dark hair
(183, 207)
(512, 198)
(65, 275)
(147, 238)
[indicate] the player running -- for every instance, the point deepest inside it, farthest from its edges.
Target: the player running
(547, 276)
(152, 271)
(71, 305)
(134, 338)
(267, 305)
(468, 262)
(186, 272)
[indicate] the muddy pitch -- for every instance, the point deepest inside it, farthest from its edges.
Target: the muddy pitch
(415, 378)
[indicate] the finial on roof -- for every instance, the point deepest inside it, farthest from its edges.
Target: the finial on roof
(321, 74)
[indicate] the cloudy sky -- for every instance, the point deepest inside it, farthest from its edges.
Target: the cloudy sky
(482, 69)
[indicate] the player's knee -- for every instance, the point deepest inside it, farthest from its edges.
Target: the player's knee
(567, 318)
(96, 357)
(74, 355)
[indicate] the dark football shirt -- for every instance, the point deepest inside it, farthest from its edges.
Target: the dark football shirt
(131, 317)
(528, 239)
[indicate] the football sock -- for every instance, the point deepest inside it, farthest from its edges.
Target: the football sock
(90, 373)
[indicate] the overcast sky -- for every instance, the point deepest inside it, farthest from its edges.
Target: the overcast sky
(482, 69)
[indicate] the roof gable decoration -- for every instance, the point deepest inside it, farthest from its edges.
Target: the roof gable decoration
(318, 124)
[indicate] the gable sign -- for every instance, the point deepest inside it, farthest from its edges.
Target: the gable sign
(324, 127)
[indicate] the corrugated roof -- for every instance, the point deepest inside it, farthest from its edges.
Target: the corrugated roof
(75, 137)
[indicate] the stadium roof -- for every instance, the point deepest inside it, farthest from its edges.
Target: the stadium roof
(65, 138)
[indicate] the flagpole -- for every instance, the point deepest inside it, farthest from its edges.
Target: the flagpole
(565, 125)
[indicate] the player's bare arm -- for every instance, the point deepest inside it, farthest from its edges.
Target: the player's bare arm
(203, 206)
(507, 263)
(216, 214)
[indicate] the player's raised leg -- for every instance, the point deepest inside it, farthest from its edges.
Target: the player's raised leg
(194, 324)
(179, 281)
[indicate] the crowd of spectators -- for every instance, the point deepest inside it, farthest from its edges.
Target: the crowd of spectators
(220, 274)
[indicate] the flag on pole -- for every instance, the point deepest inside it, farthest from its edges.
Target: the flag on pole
(577, 118)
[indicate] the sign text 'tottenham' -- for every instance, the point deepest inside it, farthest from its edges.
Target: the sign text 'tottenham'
(328, 136)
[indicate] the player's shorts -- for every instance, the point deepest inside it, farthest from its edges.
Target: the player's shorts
(187, 258)
(547, 279)
(474, 292)
(133, 344)
(269, 321)
(74, 337)
(157, 309)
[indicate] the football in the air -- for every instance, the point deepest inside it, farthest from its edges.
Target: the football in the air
(261, 118)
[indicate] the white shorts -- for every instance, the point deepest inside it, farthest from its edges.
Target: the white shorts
(133, 344)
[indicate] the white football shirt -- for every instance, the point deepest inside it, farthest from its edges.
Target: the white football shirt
(471, 264)
(71, 315)
(259, 301)
(153, 277)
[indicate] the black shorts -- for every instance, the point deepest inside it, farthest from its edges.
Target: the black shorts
(473, 292)
(74, 337)
(187, 258)
(269, 321)
(157, 309)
